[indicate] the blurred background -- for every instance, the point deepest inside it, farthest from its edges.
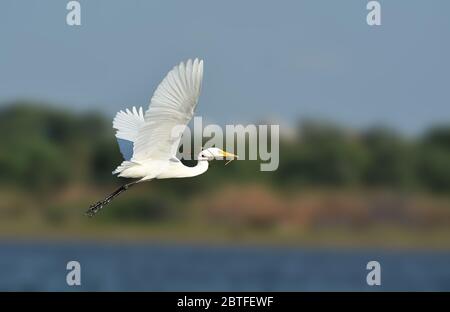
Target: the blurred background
(364, 168)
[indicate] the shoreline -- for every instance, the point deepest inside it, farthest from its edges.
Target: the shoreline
(384, 239)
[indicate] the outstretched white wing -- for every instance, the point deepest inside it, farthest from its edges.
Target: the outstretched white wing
(171, 108)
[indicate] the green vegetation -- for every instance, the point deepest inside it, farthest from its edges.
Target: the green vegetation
(331, 183)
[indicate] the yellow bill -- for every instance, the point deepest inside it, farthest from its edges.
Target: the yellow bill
(230, 156)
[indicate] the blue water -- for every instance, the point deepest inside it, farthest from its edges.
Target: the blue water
(113, 267)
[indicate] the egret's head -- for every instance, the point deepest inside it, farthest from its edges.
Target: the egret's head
(215, 153)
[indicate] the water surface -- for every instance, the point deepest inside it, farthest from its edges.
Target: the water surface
(149, 267)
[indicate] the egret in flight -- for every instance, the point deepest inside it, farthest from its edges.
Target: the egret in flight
(155, 135)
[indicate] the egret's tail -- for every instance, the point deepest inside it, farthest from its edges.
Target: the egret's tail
(123, 166)
(130, 169)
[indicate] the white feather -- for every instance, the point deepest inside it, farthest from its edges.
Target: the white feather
(171, 108)
(127, 123)
(156, 135)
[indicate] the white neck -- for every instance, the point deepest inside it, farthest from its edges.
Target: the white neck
(200, 168)
(178, 170)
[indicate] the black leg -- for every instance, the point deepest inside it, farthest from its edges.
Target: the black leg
(94, 208)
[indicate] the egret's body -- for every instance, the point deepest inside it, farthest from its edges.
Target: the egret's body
(156, 135)
(156, 169)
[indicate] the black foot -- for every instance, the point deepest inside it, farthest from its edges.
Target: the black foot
(94, 208)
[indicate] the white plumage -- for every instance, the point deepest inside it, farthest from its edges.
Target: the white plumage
(155, 135)
(127, 123)
(171, 106)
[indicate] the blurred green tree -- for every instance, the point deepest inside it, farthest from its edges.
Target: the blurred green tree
(434, 163)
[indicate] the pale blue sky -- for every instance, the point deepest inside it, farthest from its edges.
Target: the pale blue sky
(282, 59)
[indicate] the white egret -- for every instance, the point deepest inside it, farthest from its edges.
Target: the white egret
(156, 135)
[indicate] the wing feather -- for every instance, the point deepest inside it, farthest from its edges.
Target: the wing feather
(171, 108)
(127, 123)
